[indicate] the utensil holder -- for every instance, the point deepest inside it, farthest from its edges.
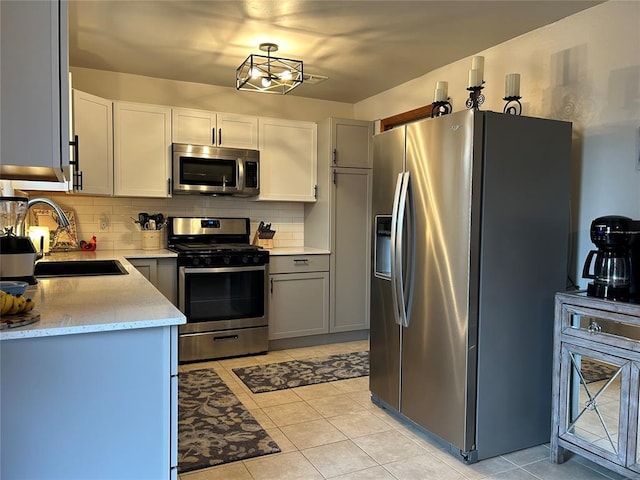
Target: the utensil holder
(151, 239)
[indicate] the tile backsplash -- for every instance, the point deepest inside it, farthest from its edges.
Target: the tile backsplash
(92, 213)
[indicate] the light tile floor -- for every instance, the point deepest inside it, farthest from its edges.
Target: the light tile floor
(333, 430)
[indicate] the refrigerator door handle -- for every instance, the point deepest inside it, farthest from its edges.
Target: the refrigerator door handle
(408, 269)
(402, 269)
(394, 247)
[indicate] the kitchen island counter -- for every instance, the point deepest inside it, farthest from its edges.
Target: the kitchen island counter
(85, 304)
(93, 385)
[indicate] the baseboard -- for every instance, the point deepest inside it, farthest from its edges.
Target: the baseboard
(314, 340)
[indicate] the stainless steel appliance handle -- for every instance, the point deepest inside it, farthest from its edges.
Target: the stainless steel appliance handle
(240, 176)
(408, 268)
(400, 256)
(197, 270)
(394, 245)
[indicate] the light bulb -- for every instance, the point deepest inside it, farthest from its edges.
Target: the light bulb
(266, 82)
(286, 75)
(255, 73)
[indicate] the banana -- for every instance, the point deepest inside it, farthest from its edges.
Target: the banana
(12, 305)
(28, 306)
(7, 304)
(17, 305)
(21, 303)
(3, 299)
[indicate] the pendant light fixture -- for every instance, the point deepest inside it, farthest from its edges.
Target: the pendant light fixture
(259, 73)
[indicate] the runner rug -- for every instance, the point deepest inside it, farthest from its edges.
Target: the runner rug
(297, 373)
(213, 425)
(593, 371)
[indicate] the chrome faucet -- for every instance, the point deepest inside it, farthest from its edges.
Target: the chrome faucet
(63, 221)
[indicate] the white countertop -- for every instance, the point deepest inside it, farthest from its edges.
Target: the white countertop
(72, 305)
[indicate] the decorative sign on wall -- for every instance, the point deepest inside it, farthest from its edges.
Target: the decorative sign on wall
(62, 239)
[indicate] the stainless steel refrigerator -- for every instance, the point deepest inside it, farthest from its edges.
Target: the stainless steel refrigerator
(471, 221)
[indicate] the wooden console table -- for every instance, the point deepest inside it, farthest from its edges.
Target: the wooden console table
(596, 380)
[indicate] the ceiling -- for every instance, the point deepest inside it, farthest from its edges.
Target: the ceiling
(363, 47)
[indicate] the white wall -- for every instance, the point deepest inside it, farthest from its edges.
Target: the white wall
(584, 69)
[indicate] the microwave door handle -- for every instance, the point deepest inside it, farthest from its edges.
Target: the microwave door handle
(240, 175)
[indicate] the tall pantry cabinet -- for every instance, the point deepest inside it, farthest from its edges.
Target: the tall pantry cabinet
(340, 218)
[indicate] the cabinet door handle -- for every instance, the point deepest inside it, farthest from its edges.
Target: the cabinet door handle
(272, 286)
(220, 136)
(335, 156)
(77, 174)
(335, 178)
(169, 186)
(301, 261)
(213, 136)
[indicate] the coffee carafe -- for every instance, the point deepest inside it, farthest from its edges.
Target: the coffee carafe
(612, 269)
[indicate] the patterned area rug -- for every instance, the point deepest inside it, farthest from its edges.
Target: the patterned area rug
(213, 425)
(595, 371)
(297, 373)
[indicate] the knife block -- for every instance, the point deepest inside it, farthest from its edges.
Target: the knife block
(266, 243)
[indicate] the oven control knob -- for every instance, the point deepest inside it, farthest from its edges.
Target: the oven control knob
(256, 259)
(227, 260)
(207, 260)
(196, 261)
(245, 259)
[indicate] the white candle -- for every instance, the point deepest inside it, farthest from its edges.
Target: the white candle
(477, 63)
(474, 78)
(40, 236)
(441, 92)
(512, 85)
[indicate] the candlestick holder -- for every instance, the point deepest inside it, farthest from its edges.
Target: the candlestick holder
(439, 108)
(476, 98)
(513, 105)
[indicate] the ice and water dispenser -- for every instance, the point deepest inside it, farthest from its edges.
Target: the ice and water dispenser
(382, 247)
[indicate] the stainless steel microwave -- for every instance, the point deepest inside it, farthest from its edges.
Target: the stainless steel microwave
(215, 170)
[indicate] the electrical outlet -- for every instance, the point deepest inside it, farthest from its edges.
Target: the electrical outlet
(103, 225)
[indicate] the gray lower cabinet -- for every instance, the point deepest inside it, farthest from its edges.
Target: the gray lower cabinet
(298, 296)
(161, 272)
(90, 405)
(596, 381)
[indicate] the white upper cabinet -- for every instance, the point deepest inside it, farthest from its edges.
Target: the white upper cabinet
(34, 86)
(201, 127)
(93, 124)
(142, 149)
(351, 144)
(288, 160)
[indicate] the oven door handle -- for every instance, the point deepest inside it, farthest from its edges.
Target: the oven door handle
(223, 269)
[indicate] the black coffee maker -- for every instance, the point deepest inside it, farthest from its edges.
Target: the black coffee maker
(616, 271)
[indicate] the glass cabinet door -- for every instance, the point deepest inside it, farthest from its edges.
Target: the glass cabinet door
(594, 401)
(634, 416)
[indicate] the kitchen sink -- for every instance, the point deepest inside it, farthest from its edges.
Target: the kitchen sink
(79, 268)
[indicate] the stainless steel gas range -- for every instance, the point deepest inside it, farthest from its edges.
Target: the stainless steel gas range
(222, 288)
